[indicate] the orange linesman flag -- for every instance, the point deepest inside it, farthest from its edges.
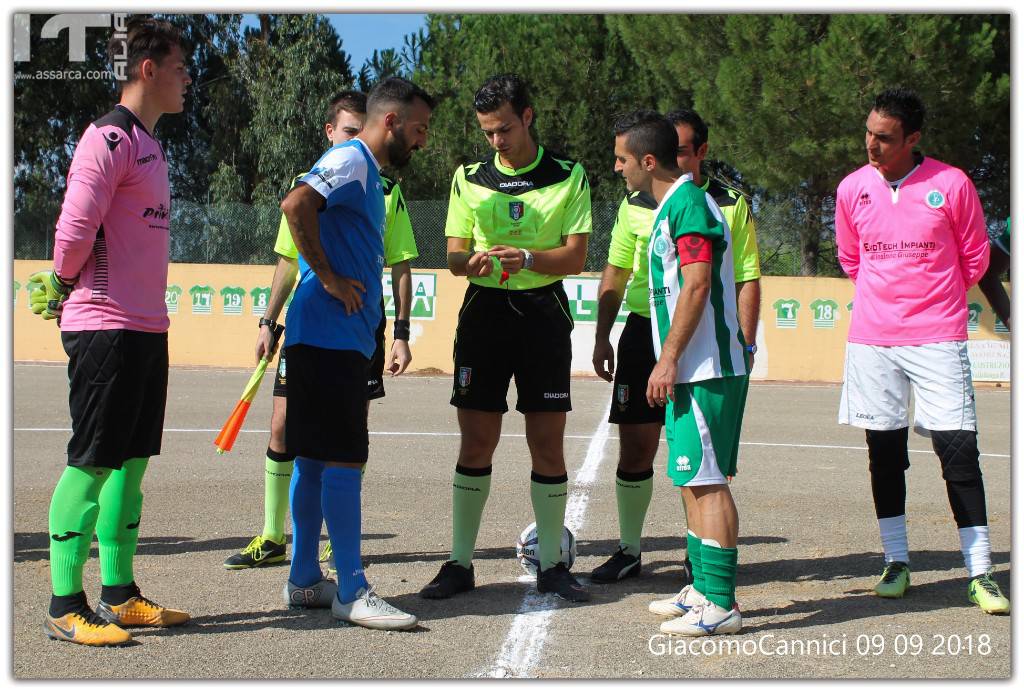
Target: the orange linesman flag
(229, 432)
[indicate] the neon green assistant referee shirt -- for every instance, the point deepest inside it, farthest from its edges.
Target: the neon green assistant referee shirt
(533, 208)
(632, 233)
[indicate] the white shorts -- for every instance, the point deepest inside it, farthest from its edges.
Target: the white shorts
(877, 381)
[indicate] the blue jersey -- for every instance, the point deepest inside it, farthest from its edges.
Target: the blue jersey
(352, 236)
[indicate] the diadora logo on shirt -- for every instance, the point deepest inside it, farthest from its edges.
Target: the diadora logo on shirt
(145, 159)
(161, 212)
(865, 198)
(556, 395)
(935, 199)
(514, 184)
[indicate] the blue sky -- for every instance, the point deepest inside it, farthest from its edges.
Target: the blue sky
(362, 33)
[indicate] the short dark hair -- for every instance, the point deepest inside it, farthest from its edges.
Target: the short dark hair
(904, 105)
(144, 38)
(351, 101)
(500, 89)
(649, 132)
(395, 90)
(686, 116)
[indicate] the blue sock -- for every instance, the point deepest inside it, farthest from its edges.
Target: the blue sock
(307, 517)
(342, 513)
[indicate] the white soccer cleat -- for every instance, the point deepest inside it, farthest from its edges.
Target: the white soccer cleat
(678, 605)
(319, 595)
(705, 619)
(370, 610)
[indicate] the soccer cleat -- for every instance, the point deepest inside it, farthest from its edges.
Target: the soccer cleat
(984, 591)
(258, 553)
(894, 582)
(559, 580)
(703, 620)
(327, 555)
(452, 579)
(619, 566)
(319, 595)
(139, 611)
(678, 605)
(371, 611)
(85, 627)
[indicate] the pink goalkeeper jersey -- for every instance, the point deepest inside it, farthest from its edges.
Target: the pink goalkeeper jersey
(912, 253)
(114, 229)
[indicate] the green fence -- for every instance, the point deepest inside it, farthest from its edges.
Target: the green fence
(244, 234)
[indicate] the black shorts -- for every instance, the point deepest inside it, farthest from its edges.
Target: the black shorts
(523, 334)
(633, 365)
(374, 383)
(118, 382)
(326, 418)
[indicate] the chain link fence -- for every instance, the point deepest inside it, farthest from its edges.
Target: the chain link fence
(230, 233)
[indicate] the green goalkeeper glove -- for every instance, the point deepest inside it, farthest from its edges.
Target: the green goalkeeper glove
(47, 295)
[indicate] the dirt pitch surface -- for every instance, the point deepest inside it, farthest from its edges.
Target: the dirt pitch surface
(809, 551)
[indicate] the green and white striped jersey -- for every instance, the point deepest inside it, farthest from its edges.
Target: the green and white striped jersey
(716, 347)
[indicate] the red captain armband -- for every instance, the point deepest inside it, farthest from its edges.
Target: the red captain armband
(693, 248)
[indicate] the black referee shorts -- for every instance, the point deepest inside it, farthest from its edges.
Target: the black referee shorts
(375, 380)
(634, 362)
(118, 392)
(503, 334)
(326, 418)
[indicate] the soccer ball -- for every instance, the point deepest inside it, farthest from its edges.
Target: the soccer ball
(528, 554)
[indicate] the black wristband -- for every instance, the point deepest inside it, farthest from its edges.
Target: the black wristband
(264, 322)
(402, 330)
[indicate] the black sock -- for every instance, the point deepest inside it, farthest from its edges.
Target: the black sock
(116, 595)
(62, 605)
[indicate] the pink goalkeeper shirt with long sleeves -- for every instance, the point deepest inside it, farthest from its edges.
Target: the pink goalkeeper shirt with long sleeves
(114, 229)
(911, 253)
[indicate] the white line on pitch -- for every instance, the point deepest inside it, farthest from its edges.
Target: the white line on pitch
(521, 649)
(568, 437)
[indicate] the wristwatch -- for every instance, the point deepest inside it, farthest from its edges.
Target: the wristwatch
(750, 348)
(527, 259)
(264, 322)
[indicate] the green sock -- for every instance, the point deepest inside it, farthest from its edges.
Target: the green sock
(117, 528)
(693, 552)
(633, 492)
(276, 482)
(548, 495)
(470, 489)
(73, 511)
(719, 573)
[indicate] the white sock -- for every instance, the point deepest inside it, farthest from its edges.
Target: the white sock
(976, 549)
(894, 538)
